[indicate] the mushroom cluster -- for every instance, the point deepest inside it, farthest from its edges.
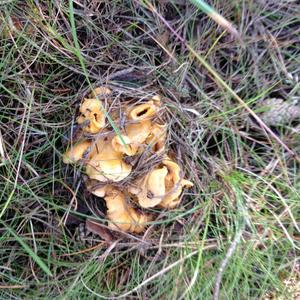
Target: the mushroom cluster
(110, 159)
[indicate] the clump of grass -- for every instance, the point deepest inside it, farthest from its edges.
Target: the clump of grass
(242, 215)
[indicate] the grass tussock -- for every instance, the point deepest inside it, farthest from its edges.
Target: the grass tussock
(236, 234)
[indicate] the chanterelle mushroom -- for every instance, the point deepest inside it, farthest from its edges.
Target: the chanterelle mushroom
(157, 138)
(75, 153)
(106, 153)
(143, 111)
(123, 216)
(106, 164)
(151, 189)
(174, 184)
(92, 115)
(161, 186)
(134, 138)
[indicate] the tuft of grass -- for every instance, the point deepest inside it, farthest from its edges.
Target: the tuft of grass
(236, 235)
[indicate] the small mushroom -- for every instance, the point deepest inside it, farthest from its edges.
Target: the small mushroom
(161, 186)
(157, 138)
(174, 184)
(92, 115)
(151, 189)
(123, 216)
(136, 135)
(143, 111)
(106, 164)
(76, 152)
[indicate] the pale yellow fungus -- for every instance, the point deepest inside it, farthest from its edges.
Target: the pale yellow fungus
(106, 164)
(92, 116)
(157, 138)
(160, 187)
(122, 215)
(103, 159)
(75, 153)
(143, 111)
(174, 184)
(134, 138)
(151, 189)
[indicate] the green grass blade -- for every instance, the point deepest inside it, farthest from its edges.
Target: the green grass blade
(34, 256)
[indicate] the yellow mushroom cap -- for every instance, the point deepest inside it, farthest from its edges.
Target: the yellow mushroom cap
(75, 153)
(174, 185)
(122, 215)
(143, 111)
(172, 199)
(155, 188)
(156, 183)
(106, 164)
(151, 189)
(161, 186)
(125, 146)
(157, 138)
(100, 192)
(138, 132)
(136, 135)
(173, 171)
(91, 113)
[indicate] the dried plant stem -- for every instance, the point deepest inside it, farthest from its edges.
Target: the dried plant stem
(224, 263)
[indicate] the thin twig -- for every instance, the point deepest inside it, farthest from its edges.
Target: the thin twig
(224, 263)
